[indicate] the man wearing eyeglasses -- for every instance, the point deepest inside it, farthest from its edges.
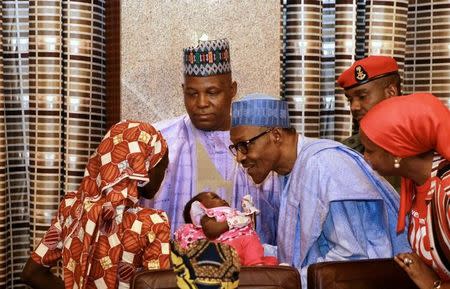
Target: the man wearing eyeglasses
(333, 206)
(198, 143)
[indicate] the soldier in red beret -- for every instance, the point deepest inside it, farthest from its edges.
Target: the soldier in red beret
(367, 82)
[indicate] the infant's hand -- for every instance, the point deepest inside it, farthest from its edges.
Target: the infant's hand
(238, 221)
(248, 206)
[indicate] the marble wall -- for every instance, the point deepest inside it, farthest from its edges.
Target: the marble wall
(153, 34)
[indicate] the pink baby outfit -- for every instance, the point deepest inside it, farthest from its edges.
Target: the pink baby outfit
(241, 235)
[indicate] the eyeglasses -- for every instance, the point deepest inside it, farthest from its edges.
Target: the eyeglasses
(242, 146)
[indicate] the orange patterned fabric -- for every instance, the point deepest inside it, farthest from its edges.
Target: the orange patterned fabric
(100, 232)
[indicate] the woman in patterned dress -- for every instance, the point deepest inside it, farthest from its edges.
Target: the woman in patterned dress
(409, 136)
(100, 232)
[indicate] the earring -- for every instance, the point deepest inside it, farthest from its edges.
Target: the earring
(397, 163)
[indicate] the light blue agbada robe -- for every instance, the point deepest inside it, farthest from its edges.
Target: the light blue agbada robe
(335, 207)
(180, 182)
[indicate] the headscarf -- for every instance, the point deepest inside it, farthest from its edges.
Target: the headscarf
(408, 126)
(109, 187)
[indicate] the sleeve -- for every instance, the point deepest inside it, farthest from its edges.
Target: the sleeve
(356, 225)
(238, 221)
(440, 212)
(354, 230)
(157, 252)
(351, 222)
(252, 251)
(187, 234)
(49, 249)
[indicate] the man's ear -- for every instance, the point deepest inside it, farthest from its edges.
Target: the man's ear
(233, 89)
(277, 135)
(391, 90)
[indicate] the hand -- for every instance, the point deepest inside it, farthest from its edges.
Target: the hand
(423, 275)
(248, 206)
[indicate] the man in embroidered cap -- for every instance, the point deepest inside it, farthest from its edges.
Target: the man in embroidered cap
(198, 142)
(367, 82)
(334, 207)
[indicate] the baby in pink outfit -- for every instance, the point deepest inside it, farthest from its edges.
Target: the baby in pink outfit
(207, 216)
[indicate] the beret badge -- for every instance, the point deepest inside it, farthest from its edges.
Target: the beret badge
(360, 74)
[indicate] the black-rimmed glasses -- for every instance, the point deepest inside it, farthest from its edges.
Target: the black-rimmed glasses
(242, 146)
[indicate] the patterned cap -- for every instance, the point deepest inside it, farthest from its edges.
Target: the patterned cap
(367, 69)
(207, 58)
(260, 110)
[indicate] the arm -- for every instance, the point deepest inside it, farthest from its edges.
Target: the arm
(36, 272)
(355, 230)
(38, 276)
(357, 213)
(156, 253)
(212, 228)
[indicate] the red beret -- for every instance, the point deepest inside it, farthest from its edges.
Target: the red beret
(367, 69)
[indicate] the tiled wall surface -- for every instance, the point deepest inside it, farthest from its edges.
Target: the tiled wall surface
(153, 34)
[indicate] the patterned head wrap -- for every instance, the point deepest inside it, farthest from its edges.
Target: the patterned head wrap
(207, 58)
(109, 189)
(124, 156)
(407, 126)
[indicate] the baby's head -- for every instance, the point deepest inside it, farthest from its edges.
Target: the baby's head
(208, 199)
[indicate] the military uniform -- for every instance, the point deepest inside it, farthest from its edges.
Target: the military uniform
(354, 142)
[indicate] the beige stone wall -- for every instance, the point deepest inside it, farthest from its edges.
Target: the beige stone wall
(154, 32)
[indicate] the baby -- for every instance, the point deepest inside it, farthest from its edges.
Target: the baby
(207, 216)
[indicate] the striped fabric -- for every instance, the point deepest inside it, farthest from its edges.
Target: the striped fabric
(14, 209)
(386, 29)
(427, 65)
(323, 38)
(52, 80)
(345, 47)
(302, 50)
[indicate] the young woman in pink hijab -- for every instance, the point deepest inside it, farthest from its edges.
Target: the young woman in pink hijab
(409, 136)
(100, 233)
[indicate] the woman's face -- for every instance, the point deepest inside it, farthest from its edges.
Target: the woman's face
(378, 158)
(156, 176)
(212, 200)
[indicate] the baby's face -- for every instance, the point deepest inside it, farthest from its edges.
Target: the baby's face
(212, 200)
